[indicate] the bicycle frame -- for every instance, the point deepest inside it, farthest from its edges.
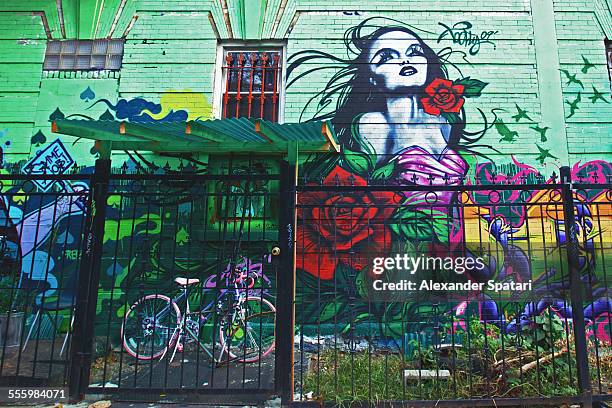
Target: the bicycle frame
(204, 314)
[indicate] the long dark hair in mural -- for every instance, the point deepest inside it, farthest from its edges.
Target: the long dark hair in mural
(394, 79)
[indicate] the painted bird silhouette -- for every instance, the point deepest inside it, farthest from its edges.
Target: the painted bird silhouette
(598, 96)
(544, 154)
(542, 131)
(522, 114)
(571, 79)
(587, 65)
(573, 105)
(506, 134)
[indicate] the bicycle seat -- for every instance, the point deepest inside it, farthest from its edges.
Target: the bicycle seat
(186, 281)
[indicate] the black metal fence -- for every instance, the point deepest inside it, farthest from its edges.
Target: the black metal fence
(98, 270)
(509, 305)
(41, 239)
(127, 283)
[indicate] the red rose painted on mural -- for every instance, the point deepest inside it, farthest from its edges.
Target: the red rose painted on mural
(337, 227)
(443, 96)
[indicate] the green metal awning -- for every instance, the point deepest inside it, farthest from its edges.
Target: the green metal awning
(236, 135)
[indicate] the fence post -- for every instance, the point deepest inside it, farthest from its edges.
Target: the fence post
(81, 341)
(577, 289)
(285, 285)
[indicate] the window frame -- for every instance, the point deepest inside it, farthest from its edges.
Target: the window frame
(77, 54)
(248, 46)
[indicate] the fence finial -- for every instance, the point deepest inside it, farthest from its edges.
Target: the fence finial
(565, 173)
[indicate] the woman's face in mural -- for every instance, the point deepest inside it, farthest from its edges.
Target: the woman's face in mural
(397, 61)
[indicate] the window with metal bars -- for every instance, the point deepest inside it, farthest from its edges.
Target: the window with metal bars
(84, 55)
(251, 85)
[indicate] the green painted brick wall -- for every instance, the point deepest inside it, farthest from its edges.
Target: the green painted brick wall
(580, 31)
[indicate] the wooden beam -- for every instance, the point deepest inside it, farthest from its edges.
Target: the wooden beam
(145, 146)
(315, 147)
(132, 136)
(261, 128)
(267, 132)
(215, 148)
(104, 149)
(69, 127)
(293, 154)
(328, 132)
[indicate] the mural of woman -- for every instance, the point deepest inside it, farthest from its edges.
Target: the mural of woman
(394, 102)
(394, 105)
(391, 104)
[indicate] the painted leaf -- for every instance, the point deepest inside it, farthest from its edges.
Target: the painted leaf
(358, 163)
(88, 95)
(182, 236)
(330, 310)
(384, 172)
(472, 87)
(107, 115)
(419, 225)
(441, 226)
(451, 118)
(114, 200)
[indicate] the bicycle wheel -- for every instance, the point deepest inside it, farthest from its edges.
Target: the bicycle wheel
(248, 336)
(150, 326)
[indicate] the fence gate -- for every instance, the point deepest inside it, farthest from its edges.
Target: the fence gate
(182, 295)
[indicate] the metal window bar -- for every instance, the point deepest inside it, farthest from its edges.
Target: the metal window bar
(254, 76)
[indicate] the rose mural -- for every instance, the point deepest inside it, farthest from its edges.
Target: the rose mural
(334, 234)
(443, 96)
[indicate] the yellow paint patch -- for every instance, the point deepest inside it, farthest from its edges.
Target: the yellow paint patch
(116, 231)
(20, 197)
(196, 104)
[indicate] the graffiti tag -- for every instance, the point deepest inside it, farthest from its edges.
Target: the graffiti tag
(462, 34)
(71, 254)
(54, 159)
(289, 236)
